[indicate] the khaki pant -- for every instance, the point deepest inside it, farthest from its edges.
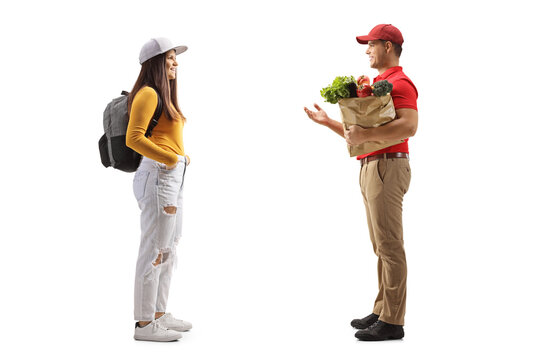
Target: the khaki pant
(383, 183)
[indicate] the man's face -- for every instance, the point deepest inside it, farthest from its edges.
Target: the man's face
(376, 53)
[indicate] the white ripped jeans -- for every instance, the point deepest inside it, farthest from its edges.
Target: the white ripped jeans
(155, 188)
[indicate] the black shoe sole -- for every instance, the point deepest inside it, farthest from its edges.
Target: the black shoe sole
(360, 326)
(367, 337)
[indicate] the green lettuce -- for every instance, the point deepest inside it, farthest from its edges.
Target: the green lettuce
(339, 89)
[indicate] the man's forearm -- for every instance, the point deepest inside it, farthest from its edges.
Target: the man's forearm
(394, 130)
(403, 127)
(336, 127)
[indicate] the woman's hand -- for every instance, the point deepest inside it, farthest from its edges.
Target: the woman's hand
(188, 161)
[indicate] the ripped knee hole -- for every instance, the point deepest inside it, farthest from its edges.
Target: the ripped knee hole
(170, 209)
(162, 257)
(158, 260)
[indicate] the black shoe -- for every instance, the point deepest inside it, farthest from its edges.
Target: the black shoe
(364, 323)
(380, 331)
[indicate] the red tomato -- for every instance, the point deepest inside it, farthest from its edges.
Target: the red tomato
(364, 91)
(363, 79)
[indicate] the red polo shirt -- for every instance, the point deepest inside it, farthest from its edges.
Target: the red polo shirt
(404, 95)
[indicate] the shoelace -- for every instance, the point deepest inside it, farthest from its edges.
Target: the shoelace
(158, 326)
(372, 326)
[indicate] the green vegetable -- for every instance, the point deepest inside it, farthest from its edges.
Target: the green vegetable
(339, 89)
(381, 88)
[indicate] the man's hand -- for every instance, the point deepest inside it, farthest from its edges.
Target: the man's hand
(319, 116)
(356, 135)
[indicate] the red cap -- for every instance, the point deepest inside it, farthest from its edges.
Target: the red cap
(382, 32)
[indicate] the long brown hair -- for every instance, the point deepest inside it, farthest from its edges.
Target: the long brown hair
(154, 74)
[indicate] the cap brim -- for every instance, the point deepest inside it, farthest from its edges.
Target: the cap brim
(364, 39)
(180, 49)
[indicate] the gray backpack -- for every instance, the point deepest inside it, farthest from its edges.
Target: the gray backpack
(112, 145)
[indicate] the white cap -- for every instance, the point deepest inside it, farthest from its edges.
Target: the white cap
(158, 46)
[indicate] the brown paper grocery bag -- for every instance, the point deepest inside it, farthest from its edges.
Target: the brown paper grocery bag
(368, 112)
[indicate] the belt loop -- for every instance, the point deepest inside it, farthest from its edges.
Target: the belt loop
(384, 156)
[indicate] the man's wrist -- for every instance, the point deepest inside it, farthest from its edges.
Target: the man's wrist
(330, 122)
(367, 134)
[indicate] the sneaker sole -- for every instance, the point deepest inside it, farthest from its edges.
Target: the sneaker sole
(148, 338)
(178, 329)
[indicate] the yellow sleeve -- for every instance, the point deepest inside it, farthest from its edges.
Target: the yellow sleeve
(143, 107)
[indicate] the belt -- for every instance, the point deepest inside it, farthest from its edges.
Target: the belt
(398, 155)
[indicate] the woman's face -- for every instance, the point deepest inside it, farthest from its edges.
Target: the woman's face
(171, 64)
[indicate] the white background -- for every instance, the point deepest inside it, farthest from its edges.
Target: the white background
(275, 260)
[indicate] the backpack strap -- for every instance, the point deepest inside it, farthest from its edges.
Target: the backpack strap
(155, 117)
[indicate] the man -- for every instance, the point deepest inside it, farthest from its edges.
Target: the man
(384, 179)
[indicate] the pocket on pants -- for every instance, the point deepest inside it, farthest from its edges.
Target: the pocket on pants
(406, 170)
(381, 169)
(139, 184)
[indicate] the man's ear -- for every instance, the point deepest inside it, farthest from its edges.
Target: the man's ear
(388, 46)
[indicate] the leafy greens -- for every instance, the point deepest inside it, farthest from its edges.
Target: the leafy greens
(338, 90)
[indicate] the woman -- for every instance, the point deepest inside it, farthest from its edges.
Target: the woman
(158, 186)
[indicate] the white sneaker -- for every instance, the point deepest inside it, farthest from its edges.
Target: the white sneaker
(155, 332)
(171, 323)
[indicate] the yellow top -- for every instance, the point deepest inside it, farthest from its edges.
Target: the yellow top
(166, 141)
